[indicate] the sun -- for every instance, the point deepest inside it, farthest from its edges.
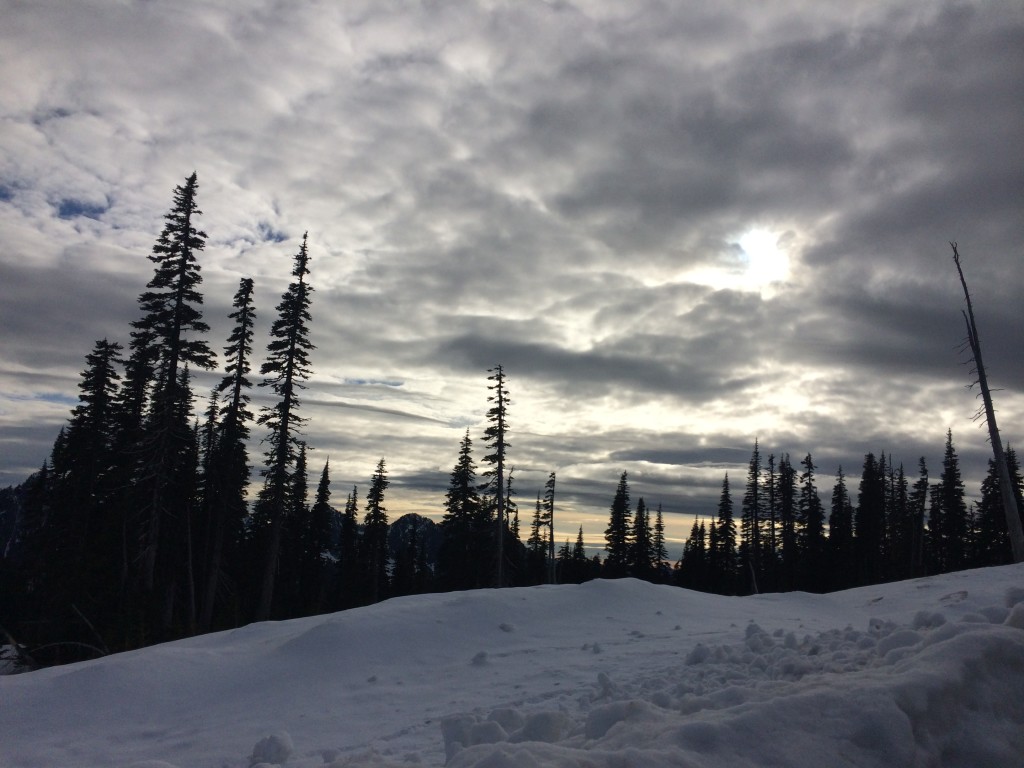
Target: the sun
(756, 261)
(766, 263)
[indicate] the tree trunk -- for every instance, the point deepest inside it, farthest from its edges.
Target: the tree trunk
(1013, 524)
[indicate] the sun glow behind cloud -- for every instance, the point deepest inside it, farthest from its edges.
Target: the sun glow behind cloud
(756, 262)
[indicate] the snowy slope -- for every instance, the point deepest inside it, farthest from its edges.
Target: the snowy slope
(611, 673)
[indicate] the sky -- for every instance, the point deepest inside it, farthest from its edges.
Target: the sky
(680, 227)
(603, 674)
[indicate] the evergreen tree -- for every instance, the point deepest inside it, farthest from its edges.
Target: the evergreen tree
(87, 494)
(869, 522)
(751, 517)
(770, 566)
(935, 546)
(286, 368)
(641, 544)
(883, 551)
(537, 546)
(901, 524)
(167, 338)
(952, 529)
(227, 472)
(408, 541)
(616, 535)
(712, 573)
(537, 542)
(993, 540)
(297, 518)
(788, 555)
(692, 568)
(515, 552)
(918, 505)
(494, 485)
(466, 543)
(811, 531)
(315, 540)
(548, 519)
(348, 553)
(85, 523)
(579, 552)
(725, 559)
(840, 536)
(658, 544)
(373, 546)
(575, 567)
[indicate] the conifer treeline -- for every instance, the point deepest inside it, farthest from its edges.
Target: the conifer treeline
(788, 539)
(139, 528)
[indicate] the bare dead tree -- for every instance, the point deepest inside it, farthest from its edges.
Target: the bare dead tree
(1006, 490)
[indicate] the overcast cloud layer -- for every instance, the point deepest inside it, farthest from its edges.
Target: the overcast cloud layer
(565, 188)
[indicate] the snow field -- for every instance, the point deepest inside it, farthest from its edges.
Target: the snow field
(610, 673)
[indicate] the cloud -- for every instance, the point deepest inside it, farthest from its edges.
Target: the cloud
(561, 188)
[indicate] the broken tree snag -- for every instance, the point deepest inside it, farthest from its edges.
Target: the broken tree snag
(1006, 490)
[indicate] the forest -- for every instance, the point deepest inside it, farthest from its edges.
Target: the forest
(139, 527)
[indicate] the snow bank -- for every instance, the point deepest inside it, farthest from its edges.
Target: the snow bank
(610, 673)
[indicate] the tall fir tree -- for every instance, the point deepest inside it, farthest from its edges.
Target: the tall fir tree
(548, 520)
(692, 569)
(770, 498)
(811, 542)
(465, 560)
(373, 546)
(918, 508)
(950, 535)
(537, 546)
(67, 547)
(86, 519)
(347, 591)
(641, 544)
(166, 339)
(788, 554)
(290, 565)
(286, 368)
(842, 573)
(724, 560)
(869, 522)
(751, 521)
(658, 545)
(494, 477)
(901, 524)
(992, 541)
(617, 534)
(228, 470)
(315, 543)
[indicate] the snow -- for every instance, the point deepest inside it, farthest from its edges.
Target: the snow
(606, 674)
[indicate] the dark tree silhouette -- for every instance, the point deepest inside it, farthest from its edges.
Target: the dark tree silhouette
(286, 368)
(166, 339)
(494, 486)
(617, 534)
(373, 545)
